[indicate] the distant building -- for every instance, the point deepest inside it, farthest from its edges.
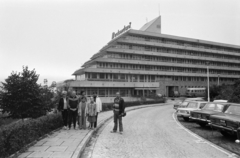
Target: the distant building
(145, 62)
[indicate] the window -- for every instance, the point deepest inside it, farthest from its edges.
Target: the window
(122, 76)
(102, 76)
(94, 75)
(115, 76)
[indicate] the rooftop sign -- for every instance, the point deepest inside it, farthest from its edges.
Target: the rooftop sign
(121, 31)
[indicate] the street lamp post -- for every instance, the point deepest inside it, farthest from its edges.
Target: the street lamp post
(208, 81)
(218, 79)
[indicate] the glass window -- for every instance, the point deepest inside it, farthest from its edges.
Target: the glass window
(102, 76)
(233, 109)
(94, 75)
(115, 76)
(192, 105)
(214, 107)
(202, 105)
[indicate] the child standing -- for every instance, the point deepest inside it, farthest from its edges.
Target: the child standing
(91, 112)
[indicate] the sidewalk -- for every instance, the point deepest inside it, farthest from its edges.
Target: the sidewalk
(68, 143)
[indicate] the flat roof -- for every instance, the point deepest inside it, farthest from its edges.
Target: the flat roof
(187, 39)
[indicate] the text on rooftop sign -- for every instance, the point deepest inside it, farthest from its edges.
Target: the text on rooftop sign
(121, 31)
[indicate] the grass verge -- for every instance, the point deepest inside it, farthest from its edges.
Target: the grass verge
(212, 135)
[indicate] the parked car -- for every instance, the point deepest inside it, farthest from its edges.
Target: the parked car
(192, 105)
(202, 117)
(220, 100)
(182, 104)
(228, 122)
(176, 105)
(194, 99)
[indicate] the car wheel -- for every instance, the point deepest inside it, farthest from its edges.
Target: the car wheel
(202, 124)
(186, 118)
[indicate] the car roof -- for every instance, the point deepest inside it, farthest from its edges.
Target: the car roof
(220, 100)
(234, 104)
(195, 101)
(219, 103)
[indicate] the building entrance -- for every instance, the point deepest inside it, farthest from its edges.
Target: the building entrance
(172, 91)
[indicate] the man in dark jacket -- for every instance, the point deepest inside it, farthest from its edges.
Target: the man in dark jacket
(63, 107)
(73, 101)
(118, 111)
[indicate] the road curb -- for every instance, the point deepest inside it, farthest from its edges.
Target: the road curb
(227, 152)
(79, 151)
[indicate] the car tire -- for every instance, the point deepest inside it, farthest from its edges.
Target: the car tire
(202, 124)
(186, 118)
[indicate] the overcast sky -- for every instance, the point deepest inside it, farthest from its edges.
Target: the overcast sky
(56, 37)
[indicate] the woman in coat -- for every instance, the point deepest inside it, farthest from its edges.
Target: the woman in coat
(82, 111)
(92, 112)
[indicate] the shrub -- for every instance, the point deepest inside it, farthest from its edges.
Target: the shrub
(13, 137)
(108, 106)
(6, 121)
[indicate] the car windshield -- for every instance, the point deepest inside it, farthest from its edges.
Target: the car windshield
(214, 107)
(192, 105)
(185, 103)
(233, 109)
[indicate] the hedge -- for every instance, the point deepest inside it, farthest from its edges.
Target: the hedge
(14, 137)
(108, 106)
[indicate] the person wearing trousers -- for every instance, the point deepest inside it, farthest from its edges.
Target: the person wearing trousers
(98, 102)
(73, 102)
(82, 111)
(91, 112)
(118, 111)
(62, 106)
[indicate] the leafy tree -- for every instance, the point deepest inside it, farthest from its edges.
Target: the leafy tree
(226, 92)
(214, 91)
(235, 98)
(22, 97)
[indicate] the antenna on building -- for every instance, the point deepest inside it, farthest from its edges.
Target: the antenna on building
(147, 20)
(159, 17)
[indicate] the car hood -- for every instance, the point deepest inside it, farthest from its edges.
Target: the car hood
(209, 112)
(186, 109)
(229, 117)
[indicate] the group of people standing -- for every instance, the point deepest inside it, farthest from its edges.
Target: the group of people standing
(78, 109)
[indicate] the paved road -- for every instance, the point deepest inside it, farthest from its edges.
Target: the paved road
(150, 133)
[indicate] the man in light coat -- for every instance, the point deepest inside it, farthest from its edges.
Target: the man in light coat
(98, 102)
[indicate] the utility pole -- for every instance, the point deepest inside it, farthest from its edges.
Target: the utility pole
(208, 81)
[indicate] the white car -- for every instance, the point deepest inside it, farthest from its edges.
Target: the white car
(192, 105)
(220, 101)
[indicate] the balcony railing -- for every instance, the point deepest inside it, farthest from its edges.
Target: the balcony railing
(117, 80)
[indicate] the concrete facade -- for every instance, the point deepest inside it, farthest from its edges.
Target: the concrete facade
(145, 62)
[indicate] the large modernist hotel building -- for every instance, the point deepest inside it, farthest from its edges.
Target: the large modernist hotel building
(144, 62)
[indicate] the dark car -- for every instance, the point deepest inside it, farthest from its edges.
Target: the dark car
(228, 123)
(202, 117)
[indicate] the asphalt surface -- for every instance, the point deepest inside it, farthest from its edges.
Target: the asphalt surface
(150, 133)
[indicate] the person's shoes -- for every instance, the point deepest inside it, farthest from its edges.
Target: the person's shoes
(69, 128)
(121, 132)
(113, 131)
(75, 128)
